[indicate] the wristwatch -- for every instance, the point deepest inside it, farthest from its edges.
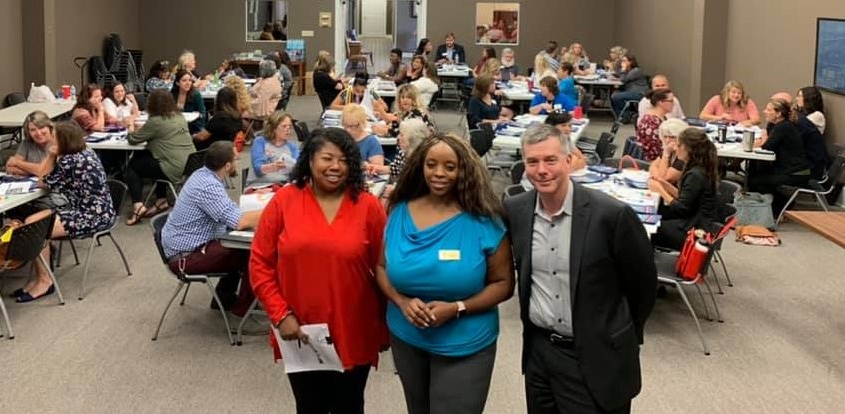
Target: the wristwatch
(462, 309)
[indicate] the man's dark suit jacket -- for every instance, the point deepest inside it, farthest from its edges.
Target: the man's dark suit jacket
(459, 51)
(613, 280)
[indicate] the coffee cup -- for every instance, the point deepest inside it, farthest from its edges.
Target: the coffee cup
(748, 141)
(65, 91)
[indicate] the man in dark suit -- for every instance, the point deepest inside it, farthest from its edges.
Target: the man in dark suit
(587, 284)
(450, 52)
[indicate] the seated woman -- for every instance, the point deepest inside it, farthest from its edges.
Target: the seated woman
(168, 146)
(122, 106)
(358, 93)
(283, 63)
(244, 100)
(634, 84)
(224, 124)
(614, 64)
(416, 70)
(189, 99)
(354, 120)
(577, 56)
(487, 65)
(229, 67)
(669, 167)
(424, 48)
(566, 82)
(662, 101)
(427, 85)
(89, 112)
(693, 204)
(550, 99)
(790, 166)
(188, 62)
(411, 133)
(325, 84)
(273, 152)
(267, 92)
(159, 76)
(72, 170)
(482, 107)
(811, 125)
(396, 71)
(732, 105)
(541, 68)
(409, 106)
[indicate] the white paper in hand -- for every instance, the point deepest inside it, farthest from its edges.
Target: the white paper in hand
(318, 354)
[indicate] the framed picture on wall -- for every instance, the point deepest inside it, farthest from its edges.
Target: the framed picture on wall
(830, 55)
(497, 23)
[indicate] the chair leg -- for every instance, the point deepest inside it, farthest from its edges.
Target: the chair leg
(724, 268)
(185, 295)
(73, 249)
(222, 311)
(53, 278)
(822, 201)
(9, 331)
(704, 303)
(713, 299)
(694, 318)
(785, 206)
(122, 256)
(252, 307)
(716, 278)
(87, 265)
(166, 308)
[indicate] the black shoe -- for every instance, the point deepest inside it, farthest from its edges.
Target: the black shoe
(16, 293)
(26, 297)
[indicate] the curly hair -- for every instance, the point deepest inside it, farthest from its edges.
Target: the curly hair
(301, 173)
(702, 153)
(473, 190)
(724, 96)
(237, 84)
(161, 103)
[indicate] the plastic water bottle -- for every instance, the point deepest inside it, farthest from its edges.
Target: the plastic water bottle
(73, 92)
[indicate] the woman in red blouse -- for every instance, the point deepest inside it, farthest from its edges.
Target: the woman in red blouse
(88, 111)
(313, 261)
(648, 129)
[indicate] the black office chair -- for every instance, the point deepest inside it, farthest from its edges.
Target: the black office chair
(26, 245)
(195, 161)
(184, 279)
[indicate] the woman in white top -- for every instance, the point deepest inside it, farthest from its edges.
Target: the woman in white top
(121, 106)
(541, 69)
(427, 84)
(810, 104)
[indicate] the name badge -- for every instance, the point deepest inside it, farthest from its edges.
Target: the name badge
(449, 255)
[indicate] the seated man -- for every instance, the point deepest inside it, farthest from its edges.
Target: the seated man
(566, 82)
(660, 82)
(450, 52)
(397, 70)
(204, 212)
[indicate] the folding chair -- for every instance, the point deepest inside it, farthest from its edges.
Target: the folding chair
(666, 275)
(513, 190)
(604, 149)
(730, 223)
(195, 161)
(118, 191)
(817, 187)
(516, 171)
(26, 245)
(184, 279)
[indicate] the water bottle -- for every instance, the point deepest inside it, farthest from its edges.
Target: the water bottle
(748, 140)
(693, 266)
(73, 92)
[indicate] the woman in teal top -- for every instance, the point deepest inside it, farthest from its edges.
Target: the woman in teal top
(446, 266)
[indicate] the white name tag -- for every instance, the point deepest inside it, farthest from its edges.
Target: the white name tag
(449, 255)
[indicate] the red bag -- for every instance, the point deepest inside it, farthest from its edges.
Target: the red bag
(240, 141)
(693, 254)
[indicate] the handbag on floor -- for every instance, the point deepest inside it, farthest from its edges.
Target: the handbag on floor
(757, 235)
(5, 240)
(754, 208)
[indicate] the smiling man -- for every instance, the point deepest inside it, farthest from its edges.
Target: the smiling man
(586, 287)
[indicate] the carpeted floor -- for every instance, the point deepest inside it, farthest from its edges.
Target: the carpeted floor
(780, 349)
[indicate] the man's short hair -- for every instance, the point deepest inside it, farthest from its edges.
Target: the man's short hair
(218, 154)
(540, 132)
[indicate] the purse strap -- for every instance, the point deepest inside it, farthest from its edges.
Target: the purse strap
(633, 162)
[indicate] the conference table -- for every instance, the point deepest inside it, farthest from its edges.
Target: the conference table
(331, 119)
(14, 115)
(10, 201)
(600, 86)
(509, 137)
(830, 224)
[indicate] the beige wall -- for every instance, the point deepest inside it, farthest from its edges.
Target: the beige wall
(565, 21)
(772, 48)
(660, 34)
(214, 29)
(11, 31)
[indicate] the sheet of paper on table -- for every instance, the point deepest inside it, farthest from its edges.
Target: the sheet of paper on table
(255, 201)
(319, 354)
(17, 187)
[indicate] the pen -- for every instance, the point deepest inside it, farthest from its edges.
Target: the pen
(316, 352)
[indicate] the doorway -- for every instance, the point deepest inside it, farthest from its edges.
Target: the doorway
(380, 25)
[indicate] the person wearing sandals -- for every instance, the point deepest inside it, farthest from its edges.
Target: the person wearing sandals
(74, 171)
(168, 146)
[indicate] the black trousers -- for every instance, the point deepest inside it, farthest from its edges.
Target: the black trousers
(324, 392)
(553, 382)
(144, 165)
(768, 182)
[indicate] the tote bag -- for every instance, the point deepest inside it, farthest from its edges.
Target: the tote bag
(754, 208)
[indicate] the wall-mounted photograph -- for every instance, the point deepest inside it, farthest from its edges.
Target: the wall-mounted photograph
(266, 20)
(497, 23)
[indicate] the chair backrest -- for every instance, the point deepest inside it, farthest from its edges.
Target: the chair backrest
(118, 193)
(726, 191)
(244, 176)
(603, 146)
(517, 169)
(513, 190)
(195, 161)
(157, 223)
(302, 127)
(633, 148)
(479, 142)
(834, 172)
(28, 240)
(13, 99)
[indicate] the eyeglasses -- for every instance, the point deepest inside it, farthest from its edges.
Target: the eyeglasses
(287, 126)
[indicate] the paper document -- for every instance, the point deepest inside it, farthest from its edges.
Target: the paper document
(16, 187)
(255, 201)
(318, 354)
